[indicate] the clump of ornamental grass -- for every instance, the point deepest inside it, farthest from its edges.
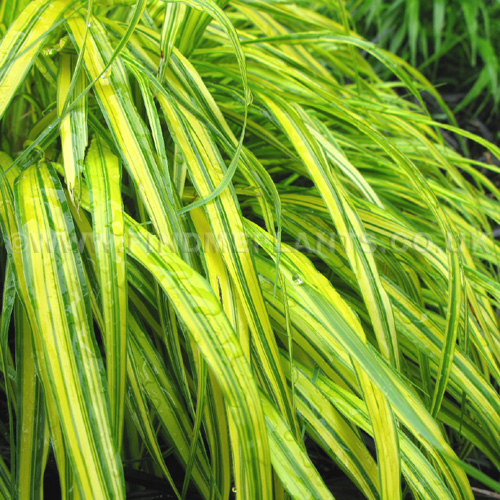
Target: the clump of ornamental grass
(228, 243)
(453, 42)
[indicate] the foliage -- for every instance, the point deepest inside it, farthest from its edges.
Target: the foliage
(226, 240)
(454, 43)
